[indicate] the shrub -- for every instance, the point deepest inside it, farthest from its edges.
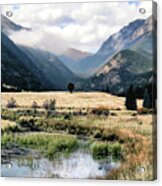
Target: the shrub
(34, 105)
(28, 123)
(97, 134)
(113, 114)
(134, 114)
(11, 103)
(49, 104)
(46, 104)
(8, 114)
(143, 111)
(67, 116)
(100, 111)
(109, 136)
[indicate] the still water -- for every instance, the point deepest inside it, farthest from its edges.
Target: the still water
(78, 165)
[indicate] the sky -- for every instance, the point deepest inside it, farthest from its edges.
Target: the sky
(84, 26)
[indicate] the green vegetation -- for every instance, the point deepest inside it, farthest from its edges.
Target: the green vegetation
(50, 145)
(102, 150)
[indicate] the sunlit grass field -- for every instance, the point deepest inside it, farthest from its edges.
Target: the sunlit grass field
(66, 99)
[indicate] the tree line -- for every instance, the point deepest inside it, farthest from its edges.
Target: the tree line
(149, 97)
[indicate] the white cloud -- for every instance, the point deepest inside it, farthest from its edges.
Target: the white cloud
(84, 26)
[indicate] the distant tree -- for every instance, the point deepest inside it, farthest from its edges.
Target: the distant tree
(108, 89)
(71, 87)
(130, 102)
(146, 99)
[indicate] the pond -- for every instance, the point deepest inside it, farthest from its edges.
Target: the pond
(79, 164)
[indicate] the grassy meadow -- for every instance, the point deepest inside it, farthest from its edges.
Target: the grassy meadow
(99, 118)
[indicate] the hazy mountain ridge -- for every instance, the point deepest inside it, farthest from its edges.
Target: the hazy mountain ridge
(133, 65)
(71, 58)
(9, 27)
(76, 54)
(128, 37)
(55, 72)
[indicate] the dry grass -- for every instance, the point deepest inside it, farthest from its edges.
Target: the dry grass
(66, 99)
(7, 123)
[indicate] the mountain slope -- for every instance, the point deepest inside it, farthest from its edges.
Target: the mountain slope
(125, 68)
(48, 71)
(8, 26)
(16, 67)
(54, 71)
(75, 54)
(134, 62)
(71, 58)
(133, 36)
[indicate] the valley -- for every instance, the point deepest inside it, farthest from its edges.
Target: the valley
(78, 105)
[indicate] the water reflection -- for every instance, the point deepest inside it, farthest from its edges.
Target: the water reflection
(78, 165)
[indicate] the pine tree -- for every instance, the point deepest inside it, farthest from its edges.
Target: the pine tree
(146, 99)
(71, 87)
(130, 102)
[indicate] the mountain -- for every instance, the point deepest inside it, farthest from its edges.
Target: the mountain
(71, 57)
(16, 68)
(122, 70)
(136, 36)
(53, 69)
(7, 26)
(27, 68)
(134, 64)
(75, 54)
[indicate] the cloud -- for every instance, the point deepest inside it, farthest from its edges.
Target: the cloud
(84, 26)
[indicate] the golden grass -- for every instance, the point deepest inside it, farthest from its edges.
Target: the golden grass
(66, 99)
(7, 123)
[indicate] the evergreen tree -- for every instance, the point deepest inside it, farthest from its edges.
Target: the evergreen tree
(130, 102)
(71, 87)
(146, 99)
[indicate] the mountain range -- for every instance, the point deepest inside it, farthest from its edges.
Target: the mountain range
(137, 36)
(124, 58)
